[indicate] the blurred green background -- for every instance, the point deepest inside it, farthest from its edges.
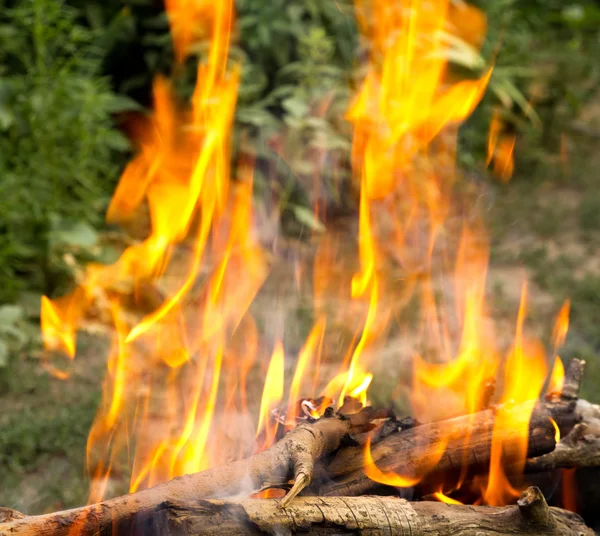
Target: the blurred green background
(71, 73)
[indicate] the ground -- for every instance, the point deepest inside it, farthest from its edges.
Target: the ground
(548, 230)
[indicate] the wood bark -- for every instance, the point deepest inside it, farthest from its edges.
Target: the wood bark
(331, 516)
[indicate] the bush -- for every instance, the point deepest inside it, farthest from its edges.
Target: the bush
(59, 148)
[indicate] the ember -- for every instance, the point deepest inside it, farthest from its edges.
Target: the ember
(481, 428)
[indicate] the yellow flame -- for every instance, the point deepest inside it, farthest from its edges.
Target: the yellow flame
(389, 478)
(501, 147)
(444, 498)
(272, 391)
(309, 357)
(525, 373)
(556, 430)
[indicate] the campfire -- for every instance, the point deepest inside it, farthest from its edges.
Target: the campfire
(255, 436)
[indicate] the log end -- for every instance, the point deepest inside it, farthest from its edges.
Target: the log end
(542, 519)
(534, 508)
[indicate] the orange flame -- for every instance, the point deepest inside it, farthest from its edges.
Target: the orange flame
(561, 327)
(557, 377)
(556, 430)
(501, 146)
(177, 396)
(525, 373)
(445, 499)
(309, 356)
(272, 393)
(559, 334)
(389, 478)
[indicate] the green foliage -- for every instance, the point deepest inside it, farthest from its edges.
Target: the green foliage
(589, 213)
(544, 72)
(58, 146)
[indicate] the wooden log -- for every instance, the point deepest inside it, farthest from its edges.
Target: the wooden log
(468, 448)
(326, 516)
(295, 455)
(579, 448)
(467, 440)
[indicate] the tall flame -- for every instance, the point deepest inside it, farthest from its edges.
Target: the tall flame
(179, 395)
(525, 371)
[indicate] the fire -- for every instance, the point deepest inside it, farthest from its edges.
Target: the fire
(556, 430)
(501, 146)
(561, 327)
(309, 357)
(559, 334)
(180, 394)
(444, 498)
(525, 371)
(272, 393)
(386, 477)
(557, 377)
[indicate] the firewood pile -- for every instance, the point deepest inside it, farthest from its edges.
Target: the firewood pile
(321, 466)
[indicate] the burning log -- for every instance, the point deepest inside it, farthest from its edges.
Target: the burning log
(410, 452)
(469, 444)
(579, 448)
(331, 515)
(294, 457)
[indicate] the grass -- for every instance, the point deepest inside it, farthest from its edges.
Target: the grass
(43, 432)
(550, 228)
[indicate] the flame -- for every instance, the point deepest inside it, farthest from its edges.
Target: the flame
(272, 392)
(525, 373)
(389, 478)
(178, 396)
(557, 377)
(501, 146)
(308, 357)
(559, 334)
(561, 327)
(556, 430)
(445, 499)
(170, 362)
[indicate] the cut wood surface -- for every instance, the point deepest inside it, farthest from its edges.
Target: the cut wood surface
(335, 516)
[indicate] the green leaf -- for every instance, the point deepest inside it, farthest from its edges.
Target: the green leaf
(122, 103)
(256, 117)
(17, 334)
(117, 141)
(7, 118)
(307, 217)
(10, 314)
(4, 354)
(295, 107)
(80, 235)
